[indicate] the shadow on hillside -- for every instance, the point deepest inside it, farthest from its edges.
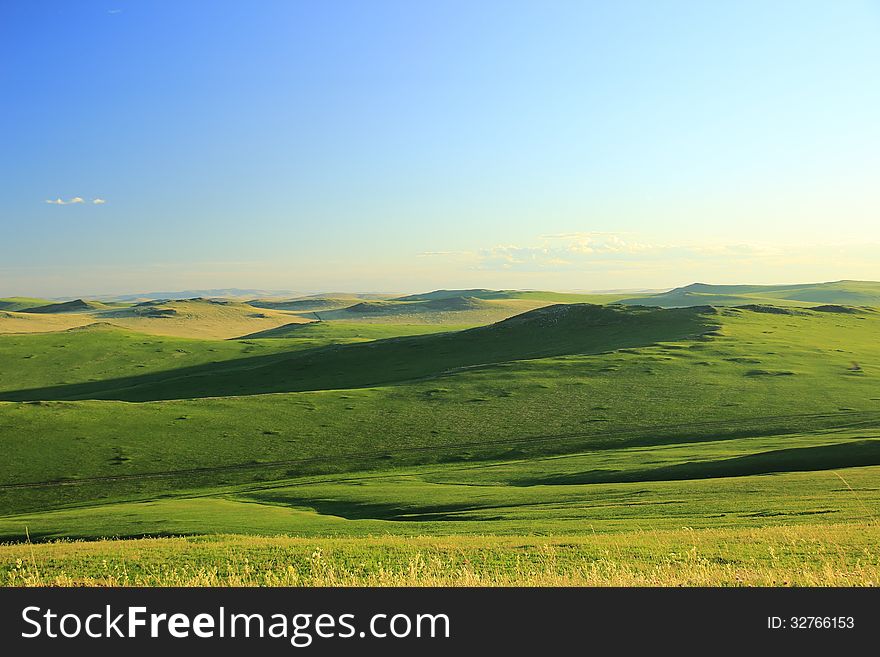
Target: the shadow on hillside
(546, 332)
(399, 512)
(801, 459)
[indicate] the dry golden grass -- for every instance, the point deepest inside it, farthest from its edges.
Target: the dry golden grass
(13, 322)
(806, 555)
(193, 319)
(210, 325)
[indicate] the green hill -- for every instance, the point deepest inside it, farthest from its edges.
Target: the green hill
(102, 351)
(210, 319)
(462, 310)
(14, 304)
(534, 295)
(306, 304)
(614, 418)
(854, 293)
(550, 331)
(75, 306)
(477, 293)
(341, 332)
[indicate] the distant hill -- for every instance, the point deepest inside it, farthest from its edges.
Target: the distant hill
(197, 318)
(217, 293)
(75, 306)
(19, 322)
(477, 293)
(347, 295)
(459, 310)
(854, 293)
(211, 319)
(306, 304)
(534, 295)
(468, 306)
(14, 304)
(324, 333)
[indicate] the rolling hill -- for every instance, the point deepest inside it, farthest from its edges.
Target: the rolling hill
(853, 293)
(308, 304)
(438, 295)
(462, 310)
(102, 351)
(75, 306)
(636, 390)
(550, 331)
(19, 303)
(752, 418)
(533, 295)
(471, 307)
(344, 332)
(216, 293)
(199, 317)
(212, 319)
(19, 322)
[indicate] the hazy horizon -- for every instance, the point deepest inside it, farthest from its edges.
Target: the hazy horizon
(412, 146)
(234, 291)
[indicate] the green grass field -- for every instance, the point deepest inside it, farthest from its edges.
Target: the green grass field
(850, 293)
(571, 443)
(21, 303)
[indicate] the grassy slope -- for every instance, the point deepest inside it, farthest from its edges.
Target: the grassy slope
(198, 318)
(75, 306)
(20, 303)
(18, 322)
(803, 555)
(457, 500)
(719, 410)
(306, 304)
(457, 310)
(464, 307)
(854, 293)
(572, 297)
(537, 295)
(193, 318)
(749, 454)
(103, 351)
(344, 332)
(551, 331)
(219, 319)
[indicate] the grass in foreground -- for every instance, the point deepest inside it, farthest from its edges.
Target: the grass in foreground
(806, 555)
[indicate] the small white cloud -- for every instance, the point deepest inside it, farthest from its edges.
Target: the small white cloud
(589, 250)
(114, 11)
(74, 200)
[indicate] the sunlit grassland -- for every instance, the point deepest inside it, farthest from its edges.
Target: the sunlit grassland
(804, 555)
(104, 352)
(571, 445)
(449, 500)
(672, 392)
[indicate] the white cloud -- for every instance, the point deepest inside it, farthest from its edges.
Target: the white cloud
(562, 251)
(73, 201)
(601, 250)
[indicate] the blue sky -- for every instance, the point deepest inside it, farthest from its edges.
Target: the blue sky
(398, 146)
